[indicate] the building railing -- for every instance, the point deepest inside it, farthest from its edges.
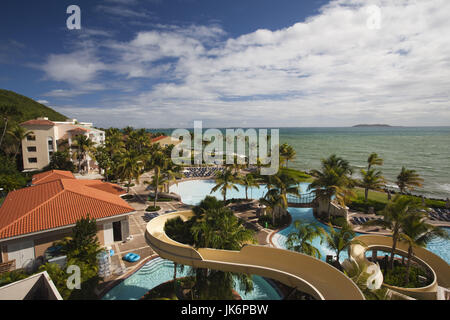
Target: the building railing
(7, 266)
(305, 198)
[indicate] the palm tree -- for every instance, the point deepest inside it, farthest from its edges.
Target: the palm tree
(334, 161)
(408, 179)
(300, 239)
(18, 134)
(249, 181)
(128, 130)
(138, 139)
(286, 183)
(114, 142)
(220, 229)
(275, 202)
(333, 180)
(158, 162)
(287, 153)
(130, 167)
(394, 215)
(372, 180)
(374, 160)
(340, 240)
(6, 113)
(83, 145)
(225, 180)
(417, 233)
(103, 159)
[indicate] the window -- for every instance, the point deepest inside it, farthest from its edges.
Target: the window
(32, 160)
(50, 143)
(31, 137)
(31, 149)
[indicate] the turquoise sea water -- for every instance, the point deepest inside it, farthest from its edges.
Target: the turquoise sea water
(425, 149)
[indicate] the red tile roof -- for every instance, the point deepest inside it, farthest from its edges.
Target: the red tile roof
(78, 129)
(38, 122)
(158, 138)
(104, 186)
(52, 175)
(56, 204)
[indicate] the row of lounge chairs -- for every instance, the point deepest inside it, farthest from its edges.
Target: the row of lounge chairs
(201, 172)
(361, 220)
(440, 214)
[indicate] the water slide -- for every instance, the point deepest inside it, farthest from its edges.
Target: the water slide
(438, 267)
(307, 274)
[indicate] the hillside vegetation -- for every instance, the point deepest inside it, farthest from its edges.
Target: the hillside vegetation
(29, 108)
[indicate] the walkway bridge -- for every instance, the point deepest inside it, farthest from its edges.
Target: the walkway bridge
(305, 200)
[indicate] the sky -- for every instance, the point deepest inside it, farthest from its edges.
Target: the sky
(232, 63)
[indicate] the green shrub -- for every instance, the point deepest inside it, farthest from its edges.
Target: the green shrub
(339, 221)
(361, 205)
(396, 277)
(128, 197)
(279, 222)
(12, 276)
(153, 209)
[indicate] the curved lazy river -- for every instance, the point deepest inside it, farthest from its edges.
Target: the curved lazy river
(193, 191)
(158, 271)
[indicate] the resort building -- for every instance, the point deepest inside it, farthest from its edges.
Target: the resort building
(165, 141)
(45, 136)
(36, 287)
(33, 218)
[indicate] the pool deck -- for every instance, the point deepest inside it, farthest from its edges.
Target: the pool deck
(137, 223)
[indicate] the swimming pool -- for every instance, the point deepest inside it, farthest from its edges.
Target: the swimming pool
(439, 246)
(158, 271)
(193, 191)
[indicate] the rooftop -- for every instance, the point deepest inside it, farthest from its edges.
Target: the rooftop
(57, 203)
(38, 122)
(52, 175)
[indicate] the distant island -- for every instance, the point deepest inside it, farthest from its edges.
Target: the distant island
(371, 125)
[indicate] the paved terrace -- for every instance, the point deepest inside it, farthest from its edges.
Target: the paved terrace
(138, 222)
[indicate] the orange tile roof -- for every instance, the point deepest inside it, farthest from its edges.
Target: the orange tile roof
(51, 176)
(56, 204)
(158, 138)
(104, 186)
(38, 122)
(78, 129)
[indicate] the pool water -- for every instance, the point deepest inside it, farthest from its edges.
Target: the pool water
(306, 215)
(158, 271)
(439, 246)
(193, 191)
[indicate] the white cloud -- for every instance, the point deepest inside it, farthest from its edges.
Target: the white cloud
(74, 68)
(329, 70)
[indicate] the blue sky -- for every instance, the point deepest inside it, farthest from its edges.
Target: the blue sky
(251, 63)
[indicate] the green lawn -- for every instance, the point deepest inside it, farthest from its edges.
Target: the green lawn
(373, 195)
(300, 175)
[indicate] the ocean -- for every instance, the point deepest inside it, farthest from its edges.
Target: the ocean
(424, 149)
